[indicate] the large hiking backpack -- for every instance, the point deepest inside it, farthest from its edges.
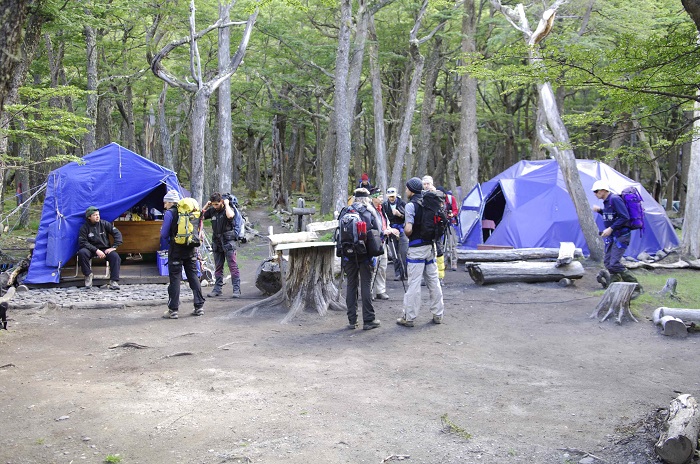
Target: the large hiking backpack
(633, 201)
(188, 223)
(434, 220)
(351, 233)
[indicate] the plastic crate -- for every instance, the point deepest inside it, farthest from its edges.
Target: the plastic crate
(162, 261)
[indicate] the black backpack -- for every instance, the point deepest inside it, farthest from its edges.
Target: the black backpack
(355, 236)
(433, 217)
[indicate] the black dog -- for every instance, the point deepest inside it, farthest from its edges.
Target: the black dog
(3, 315)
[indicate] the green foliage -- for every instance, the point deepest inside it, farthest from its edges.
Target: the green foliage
(688, 290)
(113, 459)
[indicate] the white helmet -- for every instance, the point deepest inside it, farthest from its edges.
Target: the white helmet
(600, 185)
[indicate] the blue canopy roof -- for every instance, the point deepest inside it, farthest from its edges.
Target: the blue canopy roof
(531, 207)
(112, 178)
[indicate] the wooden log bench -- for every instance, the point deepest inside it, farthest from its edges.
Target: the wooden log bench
(523, 271)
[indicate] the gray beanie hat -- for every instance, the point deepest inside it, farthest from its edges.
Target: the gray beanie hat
(415, 185)
(172, 196)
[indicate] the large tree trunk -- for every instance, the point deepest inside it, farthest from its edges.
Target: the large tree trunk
(378, 105)
(200, 111)
(428, 108)
(327, 166)
(468, 153)
(225, 164)
(164, 130)
(12, 16)
(89, 143)
(279, 198)
(690, 242)
(342, 108)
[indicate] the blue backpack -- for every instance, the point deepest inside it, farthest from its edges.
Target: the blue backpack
(633, 201)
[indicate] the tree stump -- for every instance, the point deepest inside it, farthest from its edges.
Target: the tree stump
(616, 299)
(523, 271)
(308, 284)
(670, 288)
(673, 327)
(679, 436)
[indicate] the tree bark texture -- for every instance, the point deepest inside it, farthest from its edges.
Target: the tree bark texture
(686, 315)
(12, 15)
(308, 285)
(164, 130)
(327, 166)
(468, 153)
(616, 299)
(428, 109)
(342, 108)
(518, 254)
(690, 242)
(522, 271)
(378, 104)
(679, 437)
(225, 164)
(89, 144)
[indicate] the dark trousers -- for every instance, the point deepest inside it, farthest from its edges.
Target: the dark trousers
(226, 254)
(175, 266)
(85, 255)
(614, 250)
(359, 274)
(400, 246)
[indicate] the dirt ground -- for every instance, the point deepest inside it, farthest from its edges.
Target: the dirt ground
(519, 371)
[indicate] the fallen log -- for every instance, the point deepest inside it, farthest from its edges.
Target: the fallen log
(679, 435)
(686, 315)
(616, 299)
(293, 237)
(651, 266)
(673, 327)
(523, 271)
(519, 254)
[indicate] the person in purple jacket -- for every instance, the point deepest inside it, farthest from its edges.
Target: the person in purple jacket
(616, 236)
(179, 257)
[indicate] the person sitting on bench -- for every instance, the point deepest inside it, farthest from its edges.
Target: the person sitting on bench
(93, 240)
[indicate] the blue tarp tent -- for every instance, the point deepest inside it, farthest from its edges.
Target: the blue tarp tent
(531, 207)
(112, 178)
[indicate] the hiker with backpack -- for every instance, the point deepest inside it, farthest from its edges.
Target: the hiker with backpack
(616, 235)
(226, 223)
(379, 287)
(424, 224)
(395, 207)
(357, 242)
(428, 186)
(180, 231)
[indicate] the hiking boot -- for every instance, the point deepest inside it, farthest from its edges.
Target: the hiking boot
(353, 326)
(88, 280)
(198, 312)
(382, 296)
(214, 293)
(397, 278)
(170, 314)
(454, 267)
(236, 293)
(603, 278)
(402, 321)
(113, 285)
(371, 325)
(437, 319)
(236, 288)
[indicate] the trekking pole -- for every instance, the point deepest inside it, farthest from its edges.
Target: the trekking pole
(400, 261)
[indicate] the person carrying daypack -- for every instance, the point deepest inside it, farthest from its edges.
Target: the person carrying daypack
(422, 230)
(180, 255)
(227, 228)
(357, 241)
(616, 235)
(437, 223)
